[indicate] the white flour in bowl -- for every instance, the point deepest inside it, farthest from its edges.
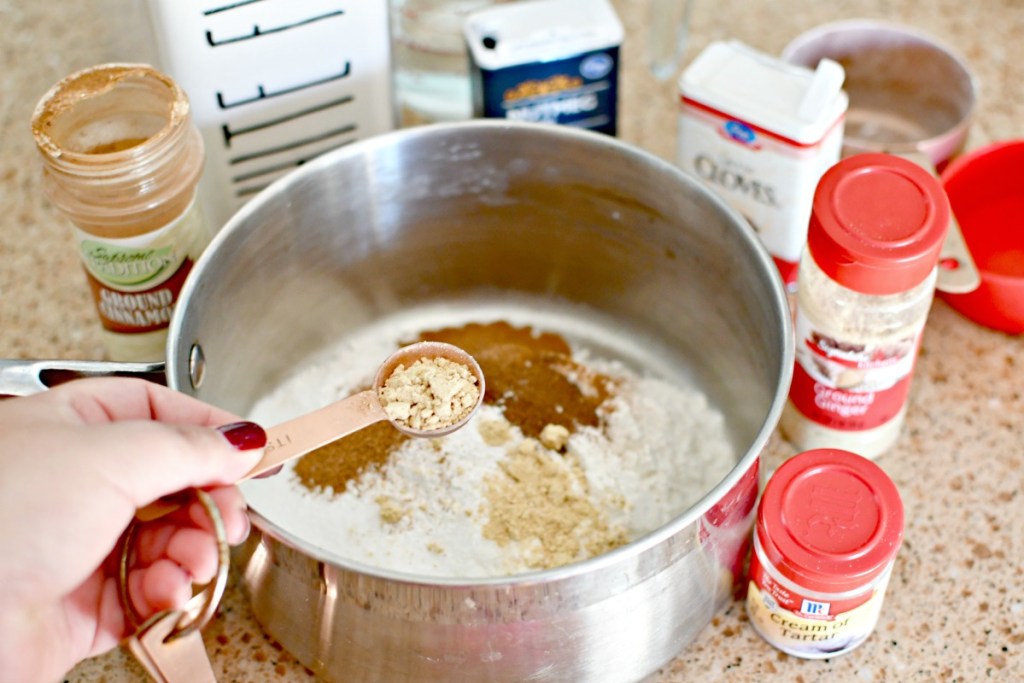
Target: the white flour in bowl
(486, 501)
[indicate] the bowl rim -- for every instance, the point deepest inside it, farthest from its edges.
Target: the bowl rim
(953, 136)
(967, 163)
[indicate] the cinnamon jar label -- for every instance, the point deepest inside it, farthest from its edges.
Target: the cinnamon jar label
(136, 281)
(850, 385)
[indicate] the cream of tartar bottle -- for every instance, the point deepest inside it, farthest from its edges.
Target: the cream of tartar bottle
(829, 525)
(122, 160)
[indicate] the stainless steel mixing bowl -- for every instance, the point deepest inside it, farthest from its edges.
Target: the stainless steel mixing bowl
(449, 212)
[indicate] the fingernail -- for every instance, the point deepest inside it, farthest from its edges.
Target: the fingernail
(269, 473)
(244, 436)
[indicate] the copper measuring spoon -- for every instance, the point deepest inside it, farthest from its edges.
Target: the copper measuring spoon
(301, 435)
(297, 437)
(168, 645)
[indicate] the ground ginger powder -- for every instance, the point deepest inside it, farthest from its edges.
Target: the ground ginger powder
(431, 394)
(541, 500)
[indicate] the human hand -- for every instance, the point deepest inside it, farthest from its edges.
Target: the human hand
(77, 461)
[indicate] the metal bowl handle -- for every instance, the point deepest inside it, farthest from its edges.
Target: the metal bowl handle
(24, 377)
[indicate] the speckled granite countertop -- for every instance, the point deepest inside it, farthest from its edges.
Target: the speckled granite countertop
(955, 607)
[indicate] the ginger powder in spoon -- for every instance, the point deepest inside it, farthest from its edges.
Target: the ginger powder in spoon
(431, 394)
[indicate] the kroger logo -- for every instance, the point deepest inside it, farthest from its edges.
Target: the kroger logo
(596, 66)
(740, 132)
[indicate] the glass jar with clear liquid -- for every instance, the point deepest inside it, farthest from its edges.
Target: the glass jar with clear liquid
(431, 63)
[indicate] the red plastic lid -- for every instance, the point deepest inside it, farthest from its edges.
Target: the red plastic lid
(830, 520)
(877, 223)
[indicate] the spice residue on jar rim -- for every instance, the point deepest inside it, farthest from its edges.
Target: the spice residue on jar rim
(95, 82)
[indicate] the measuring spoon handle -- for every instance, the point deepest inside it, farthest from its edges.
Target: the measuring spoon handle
(297, 437)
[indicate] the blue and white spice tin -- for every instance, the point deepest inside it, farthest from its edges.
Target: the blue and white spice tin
(546, 61)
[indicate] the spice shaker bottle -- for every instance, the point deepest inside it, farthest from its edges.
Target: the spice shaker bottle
(866, 281)
(546, 61)
(760, 133)
(829, 526)
(122, 160)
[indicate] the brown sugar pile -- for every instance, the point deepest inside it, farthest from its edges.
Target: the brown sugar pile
(531, 376)
(431, 394)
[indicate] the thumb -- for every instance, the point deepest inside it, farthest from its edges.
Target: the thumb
(147, 459)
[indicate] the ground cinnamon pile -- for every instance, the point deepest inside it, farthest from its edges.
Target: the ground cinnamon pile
(333, 466)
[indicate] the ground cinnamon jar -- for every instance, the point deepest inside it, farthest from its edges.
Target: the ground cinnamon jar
(122, 159)
(829, 525)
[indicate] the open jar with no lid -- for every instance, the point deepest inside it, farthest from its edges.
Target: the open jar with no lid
(122, 159)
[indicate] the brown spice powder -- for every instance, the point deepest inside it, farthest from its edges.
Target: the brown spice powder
(391, 512)
(531, 376)
(116, 146)
(539, 502)
(333, 466)
(495, 432)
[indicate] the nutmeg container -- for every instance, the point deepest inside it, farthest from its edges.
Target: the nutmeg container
(546, 61)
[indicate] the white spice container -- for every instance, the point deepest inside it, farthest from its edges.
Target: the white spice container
(867, 278)
(761, 132)
(546, 61)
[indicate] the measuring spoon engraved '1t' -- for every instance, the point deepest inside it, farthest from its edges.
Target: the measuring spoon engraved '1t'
(297, 437)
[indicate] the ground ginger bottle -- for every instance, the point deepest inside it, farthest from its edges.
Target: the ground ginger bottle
(866, 282)
(122, 159)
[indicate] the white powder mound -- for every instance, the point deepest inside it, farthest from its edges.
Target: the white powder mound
(661, 448)
(439, 493)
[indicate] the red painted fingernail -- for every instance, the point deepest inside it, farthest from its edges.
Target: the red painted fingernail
(244, 436)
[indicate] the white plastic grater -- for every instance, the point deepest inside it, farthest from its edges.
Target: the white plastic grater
(274, 83)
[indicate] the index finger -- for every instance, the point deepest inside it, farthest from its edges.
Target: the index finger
(110, 399)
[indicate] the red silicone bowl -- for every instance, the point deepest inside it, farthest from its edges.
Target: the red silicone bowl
(986, 192)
